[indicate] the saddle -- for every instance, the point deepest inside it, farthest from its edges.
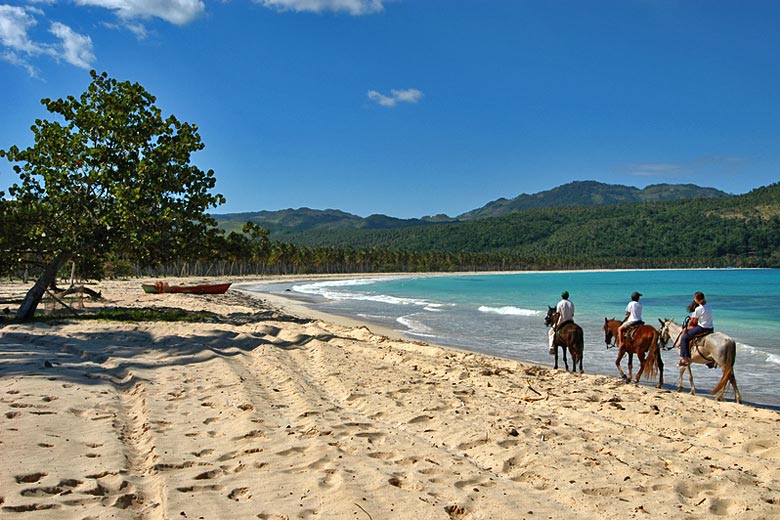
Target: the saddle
(628, 332)
(563, 325)
(698, 339)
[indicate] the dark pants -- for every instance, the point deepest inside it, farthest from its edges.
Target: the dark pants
(685, 349)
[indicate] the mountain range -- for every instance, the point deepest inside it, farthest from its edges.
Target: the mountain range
(290, 222)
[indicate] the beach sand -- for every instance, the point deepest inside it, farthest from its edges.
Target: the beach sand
(267, 414)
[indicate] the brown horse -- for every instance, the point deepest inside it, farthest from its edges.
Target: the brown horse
(713, 349)
(643, 341)
(569, 336)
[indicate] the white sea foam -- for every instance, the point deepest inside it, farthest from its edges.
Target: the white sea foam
(773, 358)
(415, 328)
(510, 311)
(335, 290)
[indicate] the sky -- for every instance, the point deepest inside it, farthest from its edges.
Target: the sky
(420, 107)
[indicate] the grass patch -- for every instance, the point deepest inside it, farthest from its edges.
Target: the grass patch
(153, 314)
(128, 314)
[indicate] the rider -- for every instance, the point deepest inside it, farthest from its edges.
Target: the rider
(699, 322)
(633, 316)
(565, 310)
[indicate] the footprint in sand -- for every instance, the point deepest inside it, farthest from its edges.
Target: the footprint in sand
(30, 478)
(208, 475)
(239, 493)
(30, 507)
(403, 483)
(201, 453)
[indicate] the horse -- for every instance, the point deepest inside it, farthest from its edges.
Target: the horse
(644, 340)
(714, 348)
(568, 336)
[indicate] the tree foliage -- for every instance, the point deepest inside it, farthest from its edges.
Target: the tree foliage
(112, 176)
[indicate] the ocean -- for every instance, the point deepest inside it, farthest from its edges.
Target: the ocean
(503, 314)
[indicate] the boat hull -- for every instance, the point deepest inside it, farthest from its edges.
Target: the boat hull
(162, 287)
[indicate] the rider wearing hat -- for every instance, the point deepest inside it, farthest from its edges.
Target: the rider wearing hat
(633, 316)
(565, 310)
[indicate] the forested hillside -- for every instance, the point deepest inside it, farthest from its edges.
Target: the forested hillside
(289, 222)
(592, 193)
(742, 230)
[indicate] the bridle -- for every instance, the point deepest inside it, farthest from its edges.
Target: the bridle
(613, 343)
(664, 333)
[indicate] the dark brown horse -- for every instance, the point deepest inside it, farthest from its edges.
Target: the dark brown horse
(570, 337)
(643, 341)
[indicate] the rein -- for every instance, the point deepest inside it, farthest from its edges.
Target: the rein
(666, 342)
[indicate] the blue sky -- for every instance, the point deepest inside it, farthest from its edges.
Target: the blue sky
(418, 107)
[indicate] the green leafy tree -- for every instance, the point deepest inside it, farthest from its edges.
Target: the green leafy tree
(113, 177)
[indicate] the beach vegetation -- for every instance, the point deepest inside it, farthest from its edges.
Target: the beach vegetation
(108, 179)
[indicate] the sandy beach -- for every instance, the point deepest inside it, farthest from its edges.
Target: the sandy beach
(269, 411)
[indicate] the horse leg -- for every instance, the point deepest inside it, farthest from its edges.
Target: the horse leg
(690, 377)
(679, 381)
(565, 362)
(556, 358)
(733, 380)
(630, 365)
(641, 356)
(620, 355)
(660, 364)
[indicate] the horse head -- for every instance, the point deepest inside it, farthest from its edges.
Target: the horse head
(549, 318)
(664, 334)
(608, 336)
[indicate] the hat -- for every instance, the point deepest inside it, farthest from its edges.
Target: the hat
(635, 295)
(565, 294)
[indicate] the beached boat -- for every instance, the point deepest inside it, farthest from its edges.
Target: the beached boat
(163, 287)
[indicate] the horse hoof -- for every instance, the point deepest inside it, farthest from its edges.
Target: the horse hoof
(679, 389)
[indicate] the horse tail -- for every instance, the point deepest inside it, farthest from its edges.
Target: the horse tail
(579, 342)
(652, 357)
(731, 355)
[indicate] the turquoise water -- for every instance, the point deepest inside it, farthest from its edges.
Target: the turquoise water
(502, 314)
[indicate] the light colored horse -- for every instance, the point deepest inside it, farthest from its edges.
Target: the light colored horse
(713, 348)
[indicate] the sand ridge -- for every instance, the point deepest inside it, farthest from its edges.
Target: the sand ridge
(265, 415)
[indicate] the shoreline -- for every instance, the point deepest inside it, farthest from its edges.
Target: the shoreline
(311, 305)
(267, 413)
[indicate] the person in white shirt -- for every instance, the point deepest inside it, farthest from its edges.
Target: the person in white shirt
(565, 310)
(699, 322)
(633, 315)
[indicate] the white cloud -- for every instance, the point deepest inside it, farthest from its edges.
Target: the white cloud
(76, 48)
(14, 24)
(410, 95)
(19, 48)
(178, 12)
(653, 169)
(353, 7)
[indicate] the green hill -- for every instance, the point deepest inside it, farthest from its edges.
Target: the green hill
(289, 223)
(745, 227)
(591, 193)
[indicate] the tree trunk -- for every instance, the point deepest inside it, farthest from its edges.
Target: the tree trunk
(27, 309)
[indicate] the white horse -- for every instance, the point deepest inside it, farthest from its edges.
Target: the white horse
(715, 348)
